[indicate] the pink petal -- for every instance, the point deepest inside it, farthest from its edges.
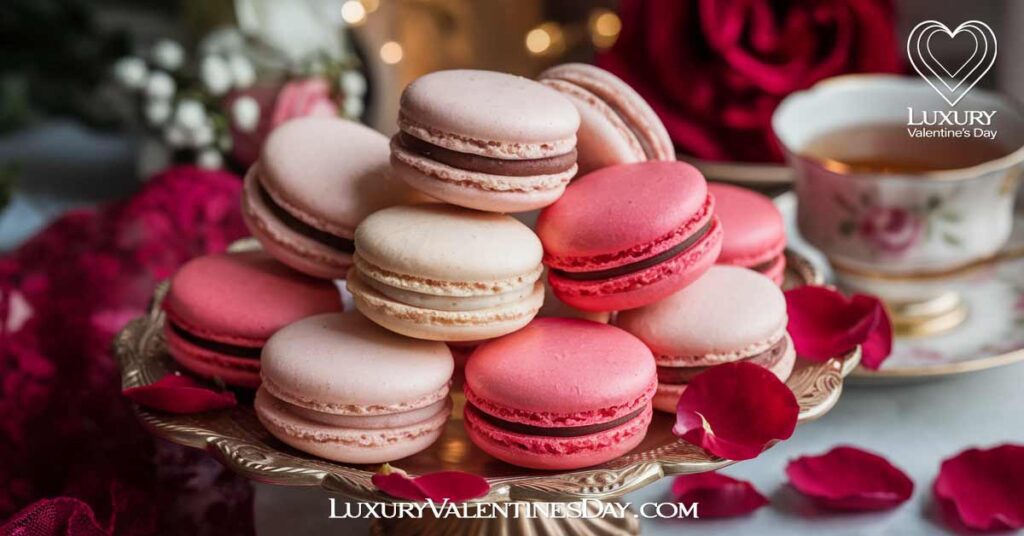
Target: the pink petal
(984, 489)
(736, 410)
(181, 395)
(454, 486)
(848, 478)
(717, 495)
(823, 324)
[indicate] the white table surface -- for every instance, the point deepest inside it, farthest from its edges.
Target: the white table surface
(916, 426)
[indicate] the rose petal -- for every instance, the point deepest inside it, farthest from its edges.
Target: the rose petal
(823, 324)
(717, 495)
(454, 486)
(848, 478)
(181, 395)
(984, 489)
(735, 410)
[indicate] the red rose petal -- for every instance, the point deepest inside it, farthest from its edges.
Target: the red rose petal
(717, 495)
(984, 489)
(454, 486)
(181, 395)
(735, 410)
(848, 478)
(823, 324)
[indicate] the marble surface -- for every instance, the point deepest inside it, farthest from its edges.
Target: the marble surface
(915, 425)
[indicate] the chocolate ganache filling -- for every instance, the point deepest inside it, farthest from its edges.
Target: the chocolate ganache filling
(565, 431)
(683, 375)
(334, 241)
(491, 166)
(638, 265)
(233, 350)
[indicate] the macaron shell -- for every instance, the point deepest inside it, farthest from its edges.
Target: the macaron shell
(561, 372)
(330, 173)
(243, 298)
(603, 139)
(320, 363)
(238, 371)
(727, 314)
(620, 214)
(298, 251)
(754, 229)
(490, 114)
(480, 191)
(667, 397)
(347, 445)
(556, 453)
(645, 286)
(554, 307)
(438, 325)
(484, 252)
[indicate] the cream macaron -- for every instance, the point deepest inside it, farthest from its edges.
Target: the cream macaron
(445, 273)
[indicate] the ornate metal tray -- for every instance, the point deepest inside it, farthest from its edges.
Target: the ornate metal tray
(240, 442)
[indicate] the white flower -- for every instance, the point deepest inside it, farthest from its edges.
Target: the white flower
(175, 136)
(353, 83)
(160, 86)
(190, 114)
(168, 54)
(130, 72)
(242, 71)
(215, 75)
(210, 159)
(353, 107)
(203, 136)
(246, 113)
(157, 112)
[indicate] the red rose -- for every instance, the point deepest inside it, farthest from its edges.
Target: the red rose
(714, 70)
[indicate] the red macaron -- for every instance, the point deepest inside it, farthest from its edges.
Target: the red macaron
(754, 232)
(221, 309)
(626, 236)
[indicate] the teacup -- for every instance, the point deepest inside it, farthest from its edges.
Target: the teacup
(903, 232)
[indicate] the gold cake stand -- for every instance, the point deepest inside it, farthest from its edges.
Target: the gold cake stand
(238, 440)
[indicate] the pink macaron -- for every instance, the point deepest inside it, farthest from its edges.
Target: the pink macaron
(754, 233)
(485, 140)
(628, 235)
(340, 387)
(617, 126)
(730, 314)
(221, 309)
(559, 394)
(316, 179)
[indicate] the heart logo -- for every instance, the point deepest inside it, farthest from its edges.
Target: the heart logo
(952, 85)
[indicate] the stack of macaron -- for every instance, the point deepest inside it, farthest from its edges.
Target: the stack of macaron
(625, 244)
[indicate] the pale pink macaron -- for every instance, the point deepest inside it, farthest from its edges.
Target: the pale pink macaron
(222, 308)
(730, 314)
(485, 140)
(617, 126)
(559, 394)
(754, 234)
(316, 179)
(342, 388)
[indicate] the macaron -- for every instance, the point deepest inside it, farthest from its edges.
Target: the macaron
(617, 126)
(625, 236)
(554, 307)
(754, 232)
(342, 388)
(485, 140)
(221, 309)
(730, 314)
(446, 273)
(561, 393)
(316, 179)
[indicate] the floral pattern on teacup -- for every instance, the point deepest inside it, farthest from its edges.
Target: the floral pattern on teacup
(893, 230)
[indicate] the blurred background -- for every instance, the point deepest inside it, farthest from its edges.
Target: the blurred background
(97, 95)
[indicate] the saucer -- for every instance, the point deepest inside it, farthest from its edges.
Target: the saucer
(992, 334)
